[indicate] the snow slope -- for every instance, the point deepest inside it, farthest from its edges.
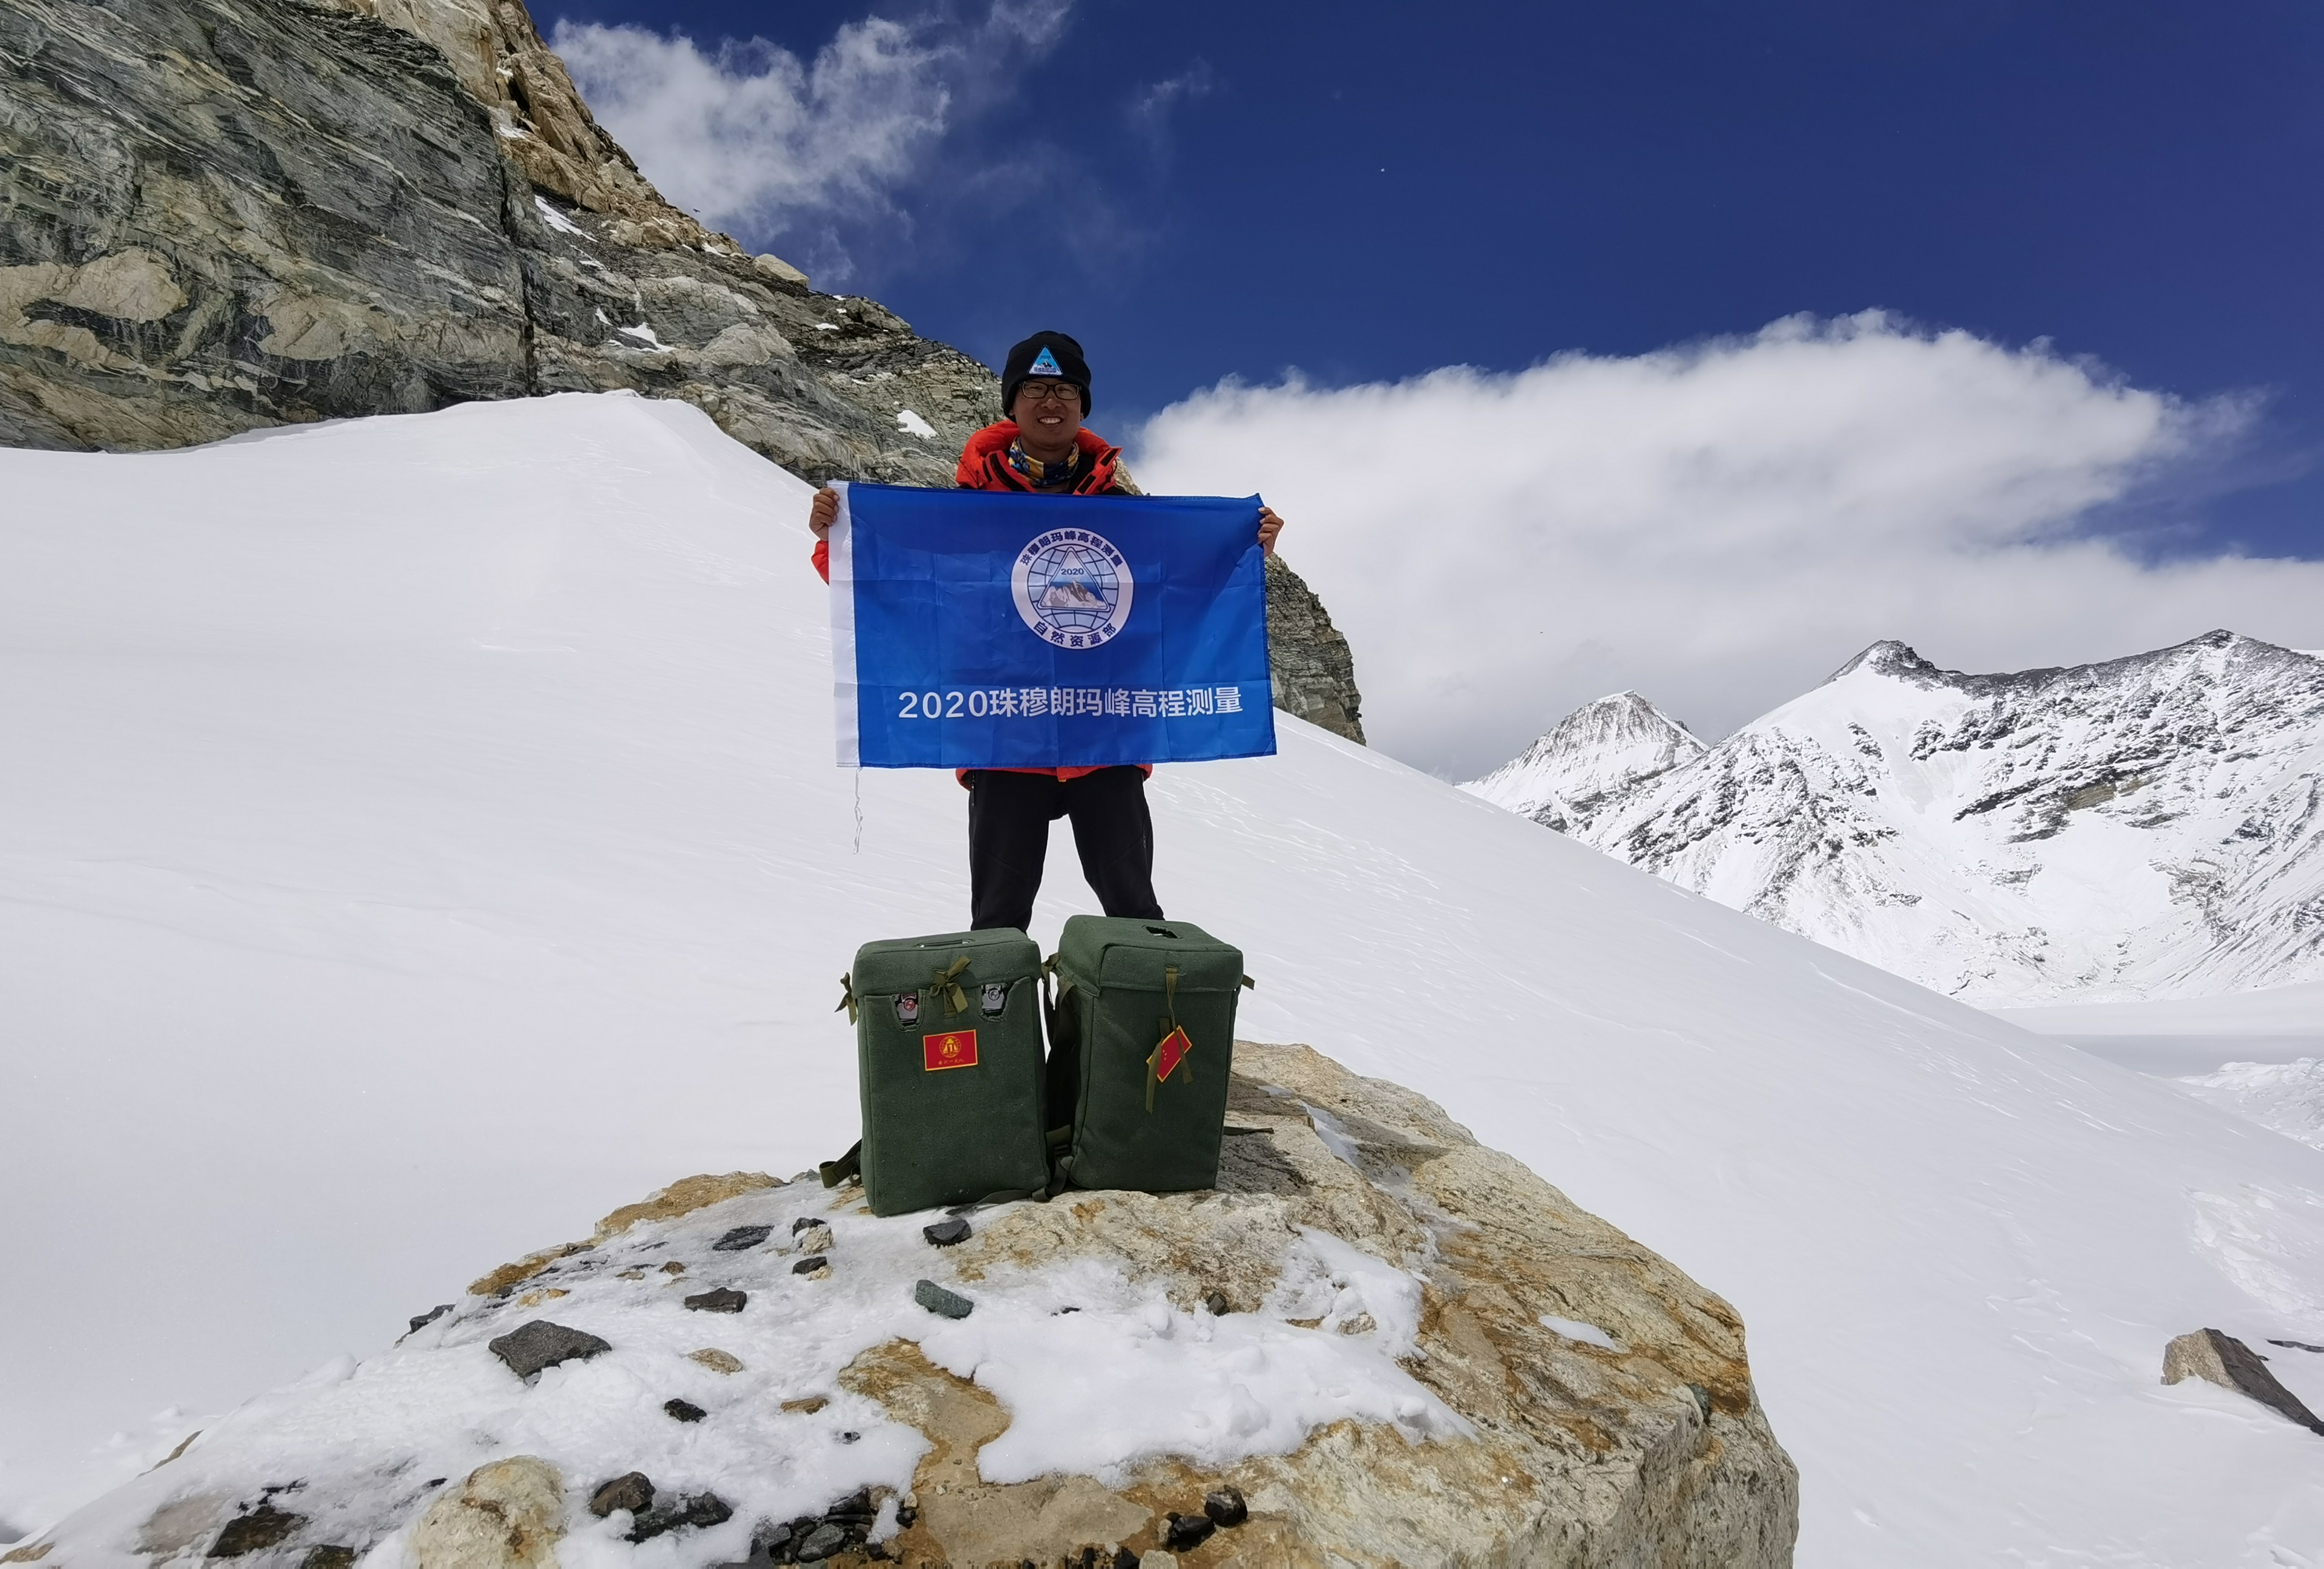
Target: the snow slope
(2151, 826)
(1599, 749)
(2287, 1097)
(2295, 1012)
(419, 838)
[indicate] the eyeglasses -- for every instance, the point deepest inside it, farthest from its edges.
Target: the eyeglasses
(1050, 393)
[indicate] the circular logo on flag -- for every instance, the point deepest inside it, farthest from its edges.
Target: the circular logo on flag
(1073, 588)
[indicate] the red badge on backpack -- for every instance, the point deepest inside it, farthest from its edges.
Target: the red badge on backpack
(956, 1048)
(1170, 1054)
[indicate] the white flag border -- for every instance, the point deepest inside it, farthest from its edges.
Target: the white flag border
(844, 693)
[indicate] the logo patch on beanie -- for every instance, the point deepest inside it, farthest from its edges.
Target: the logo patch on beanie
(1045, 363)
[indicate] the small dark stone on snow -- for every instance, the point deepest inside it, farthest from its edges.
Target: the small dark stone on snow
(906, 1515)
(719, 1300)
(943, 1303)
(426, 1318)
(697, 1509)
(328, 1557)
(849, 1438)
(683, 1410)
(262, 1527)
(1225, 1506)
(436, 1481)
(530, 1347)
(815, 1265)
(2295, 1345)
(804, 1222)
(1218, 1304)
(742, 1237)
(1180, 1532)
(705, 1509)
(946, 1233)
(632, 1490)
(821, 1542)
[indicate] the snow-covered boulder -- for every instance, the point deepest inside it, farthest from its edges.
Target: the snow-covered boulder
(1396, 1347)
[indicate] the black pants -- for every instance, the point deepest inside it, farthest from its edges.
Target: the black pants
(1008, 818)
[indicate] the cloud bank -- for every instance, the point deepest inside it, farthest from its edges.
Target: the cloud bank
(751, 138)
(1719, 527)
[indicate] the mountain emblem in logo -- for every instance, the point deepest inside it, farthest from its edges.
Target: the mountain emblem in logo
(1073, 588)
(1044, 365)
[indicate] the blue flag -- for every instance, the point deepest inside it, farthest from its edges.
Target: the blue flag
(975, 629)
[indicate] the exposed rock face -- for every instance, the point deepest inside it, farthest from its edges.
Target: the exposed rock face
(1394, 1346)
(2149, 826)
(217, 215)
(2227, 1361)
(499, 57)
(1314, 669)
(221, 215)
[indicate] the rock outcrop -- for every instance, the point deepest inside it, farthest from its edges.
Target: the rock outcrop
(1375, 1343)
(2220, 1359)
(1314, 669)
(221, 215)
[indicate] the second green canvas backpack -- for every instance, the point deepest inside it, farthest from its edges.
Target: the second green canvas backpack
(1141, 1038)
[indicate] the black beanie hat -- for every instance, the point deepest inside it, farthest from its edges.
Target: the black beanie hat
(1062, 351)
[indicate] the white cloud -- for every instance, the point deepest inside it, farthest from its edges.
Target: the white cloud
(1719, 526)
(749, 138)
(1150, 111)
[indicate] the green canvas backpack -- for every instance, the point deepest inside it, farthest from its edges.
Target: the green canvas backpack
(1141, 1036)
(948, 1056)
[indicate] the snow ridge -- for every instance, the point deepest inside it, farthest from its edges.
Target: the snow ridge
(2147, 826)
(1597, 751)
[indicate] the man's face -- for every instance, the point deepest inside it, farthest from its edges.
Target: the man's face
(1048, 407)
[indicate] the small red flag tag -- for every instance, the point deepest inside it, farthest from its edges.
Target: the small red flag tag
(956, 1049)
(1173, 1051)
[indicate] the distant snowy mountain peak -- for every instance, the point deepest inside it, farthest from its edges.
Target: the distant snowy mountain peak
(1599, 749)
(1890, 658)
(2151, 826)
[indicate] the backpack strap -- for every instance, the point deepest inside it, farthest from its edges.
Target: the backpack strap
(1006, 1196)
(1153, 1063)
(849, 1165)
(847, 996)
(945, 983)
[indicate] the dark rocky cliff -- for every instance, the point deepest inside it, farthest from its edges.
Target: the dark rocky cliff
(219, 215)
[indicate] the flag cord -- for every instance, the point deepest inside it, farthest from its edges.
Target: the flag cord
(859, 810)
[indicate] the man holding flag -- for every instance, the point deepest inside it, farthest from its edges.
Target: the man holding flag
(1043, 448)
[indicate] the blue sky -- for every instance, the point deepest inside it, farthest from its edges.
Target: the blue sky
(1366, 193)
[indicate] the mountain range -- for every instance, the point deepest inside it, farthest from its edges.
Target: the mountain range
(2142, 828)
